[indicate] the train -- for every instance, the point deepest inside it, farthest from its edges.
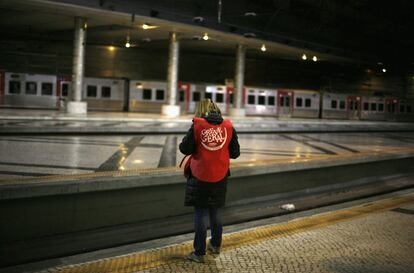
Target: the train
(22, 90)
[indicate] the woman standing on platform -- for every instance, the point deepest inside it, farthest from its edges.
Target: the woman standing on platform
(211, 142)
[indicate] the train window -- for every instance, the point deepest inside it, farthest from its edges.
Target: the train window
(196, 96)
(181, 95)
(219, 98)
(271, 100)
(251, 99)
(91, 91)
(402, 108)
(342, 104)
(159, 95)
(298, 102)
(14, 87)
(308, 103)
(65, 89)
(366, 106)
(373, 106)
(408, 108)
(208, 95)
(106, 91)
(262, 100)
(31, 88)
(334, 104)
(381, 107)
(47, 89)
(231, 98)
(147, 94)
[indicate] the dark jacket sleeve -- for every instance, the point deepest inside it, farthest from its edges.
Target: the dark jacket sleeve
(187, 145)
(234, 146)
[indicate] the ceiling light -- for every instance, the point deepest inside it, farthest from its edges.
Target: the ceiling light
(304, 57)
(249, 35)
(314, 58)
(384, 70)
(250, 13)
(198, 19)
(127, 43)
(148, 26)
(205, 37)
(263, 48)
(111, 48)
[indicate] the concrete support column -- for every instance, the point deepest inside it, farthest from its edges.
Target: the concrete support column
(237, 109)
(76, 105)
(171, 109)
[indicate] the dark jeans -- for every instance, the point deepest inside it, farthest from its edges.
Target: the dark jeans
(200, 228)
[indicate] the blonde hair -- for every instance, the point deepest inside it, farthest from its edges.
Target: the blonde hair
(204, 107)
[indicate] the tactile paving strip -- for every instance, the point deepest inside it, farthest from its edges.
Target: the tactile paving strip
(167, 255)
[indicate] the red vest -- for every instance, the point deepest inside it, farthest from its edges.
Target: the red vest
(211, 160)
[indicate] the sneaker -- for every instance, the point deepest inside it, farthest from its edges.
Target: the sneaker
(195, 258)
(213, 249)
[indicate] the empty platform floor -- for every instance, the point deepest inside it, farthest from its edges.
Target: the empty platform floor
(51, 155)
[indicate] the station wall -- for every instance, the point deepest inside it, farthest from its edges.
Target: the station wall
(151, 64)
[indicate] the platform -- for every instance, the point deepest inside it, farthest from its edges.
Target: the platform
(368, 235)
(23, 156)
(18, 121)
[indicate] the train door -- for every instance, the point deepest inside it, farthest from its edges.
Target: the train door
(184, 97)
(230, 97)
(285, 102)
(391, 108)
(218, 94)
(354, 107)
(63, 86)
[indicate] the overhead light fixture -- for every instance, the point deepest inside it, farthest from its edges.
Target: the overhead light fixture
(304, 57)
(263, 48)
(384, 70)
(111, 48)
(205, 37)
(314, 58)
(146, 26)
(250, 13)
(127, 43)
(249, 35)
(198, 19)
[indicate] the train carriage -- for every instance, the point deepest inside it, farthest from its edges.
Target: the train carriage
(104, 94)
(334, 106)
(147, 96)
(30, 91)
(306, 104)
(41, 91)
(260, 101)
(373, 108)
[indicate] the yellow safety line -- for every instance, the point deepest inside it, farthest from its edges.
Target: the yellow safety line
(156, 257)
